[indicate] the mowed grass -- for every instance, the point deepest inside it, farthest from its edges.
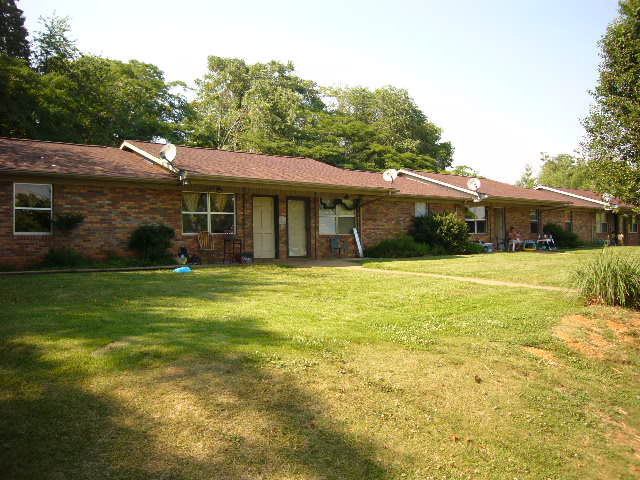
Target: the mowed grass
(289, 373)
(537, 268)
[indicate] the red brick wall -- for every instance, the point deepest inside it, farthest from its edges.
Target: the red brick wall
(583, 221)
(111, 214)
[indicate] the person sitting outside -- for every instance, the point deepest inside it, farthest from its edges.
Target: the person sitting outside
(514, 239)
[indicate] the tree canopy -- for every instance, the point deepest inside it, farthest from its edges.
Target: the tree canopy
(69, 95)
(53, 49)
(527, 178)
(612, 144)
(266, 107)
(13, 34)
(561, 170)
(74, 97)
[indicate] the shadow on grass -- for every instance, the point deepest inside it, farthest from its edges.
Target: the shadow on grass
(53, 424)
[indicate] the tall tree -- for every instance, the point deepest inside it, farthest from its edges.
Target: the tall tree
(561, 170)
(527, 179)
(114, 100)
(564, 170)
(257, 107)
(399, 121)
(612, 144)
(265, 107)
(20, 90)
(465, 171)
(13, 34)
(53, 47)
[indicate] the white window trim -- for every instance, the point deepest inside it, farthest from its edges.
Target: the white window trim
(475, 223)
(335, 217)
(208, 213)
(50, 209)
(634, 221)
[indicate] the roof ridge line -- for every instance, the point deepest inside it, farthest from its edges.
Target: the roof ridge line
(258, 153)
(225, 150)
(57, 142)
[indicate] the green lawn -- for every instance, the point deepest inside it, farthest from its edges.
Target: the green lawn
(289, 373)
(538, 268)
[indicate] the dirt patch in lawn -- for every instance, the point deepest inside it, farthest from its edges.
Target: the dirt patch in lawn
(599, 336)
(543, 354)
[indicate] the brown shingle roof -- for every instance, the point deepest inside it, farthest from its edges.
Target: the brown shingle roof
(493, 188)
(23, 155)
(588, 194)
(260, 167)
(224, 163)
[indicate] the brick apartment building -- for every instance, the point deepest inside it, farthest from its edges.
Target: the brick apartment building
(274, 206)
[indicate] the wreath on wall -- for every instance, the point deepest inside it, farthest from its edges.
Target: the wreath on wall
(330, 204)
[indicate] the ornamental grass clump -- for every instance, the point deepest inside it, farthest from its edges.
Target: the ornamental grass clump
(611, 278)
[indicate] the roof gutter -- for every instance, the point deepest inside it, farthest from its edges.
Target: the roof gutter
(477, 197)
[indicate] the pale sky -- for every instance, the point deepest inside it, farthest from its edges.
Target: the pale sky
(504, 79)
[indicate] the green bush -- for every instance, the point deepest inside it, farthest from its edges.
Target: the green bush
(611, 278)
(64, 258)
(448, 231)
(473, 248)
(152, 241)
(399, 247)
(562, 238)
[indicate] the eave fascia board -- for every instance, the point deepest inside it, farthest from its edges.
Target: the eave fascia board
(417, 176)
(514, 201)
(196, 178)
(575, 195)
(152, 158)
(80, 176)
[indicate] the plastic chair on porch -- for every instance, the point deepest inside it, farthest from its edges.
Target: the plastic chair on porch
(337, 247)
(205, 243)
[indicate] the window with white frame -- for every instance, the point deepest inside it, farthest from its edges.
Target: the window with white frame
(32, 208)
(476, 218)
(602, 226)
(208, 212)
(634, 224)
(421, 209)
(337, 216)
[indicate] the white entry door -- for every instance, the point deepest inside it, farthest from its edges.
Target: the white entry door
(264, 234)
(297, 227)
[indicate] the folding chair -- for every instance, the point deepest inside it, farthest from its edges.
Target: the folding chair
(205, 243)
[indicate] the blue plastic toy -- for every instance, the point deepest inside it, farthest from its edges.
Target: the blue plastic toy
(183, 270)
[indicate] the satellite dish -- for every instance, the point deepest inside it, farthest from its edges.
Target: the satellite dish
(390, 175)
(474, 184)
(607, 197)
(168, 152)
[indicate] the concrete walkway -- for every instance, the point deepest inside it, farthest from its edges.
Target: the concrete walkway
(338, 263)
(481, 281)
